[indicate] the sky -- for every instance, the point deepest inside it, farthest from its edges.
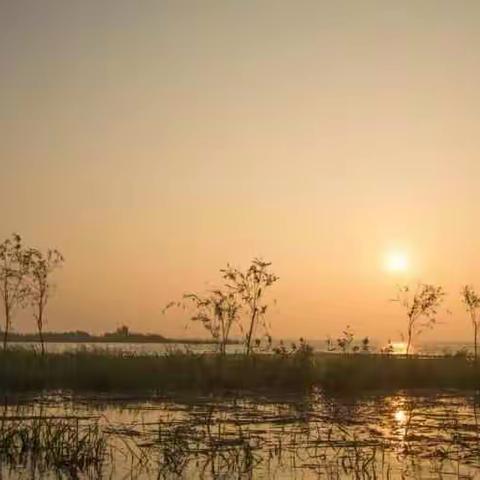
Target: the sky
(153, 142)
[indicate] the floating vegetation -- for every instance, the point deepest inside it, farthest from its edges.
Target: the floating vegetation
(314, 436)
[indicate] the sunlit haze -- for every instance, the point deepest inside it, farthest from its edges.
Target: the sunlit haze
(154, 142)
(397, 262)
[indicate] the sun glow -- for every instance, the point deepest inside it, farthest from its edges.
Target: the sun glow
(396, 262)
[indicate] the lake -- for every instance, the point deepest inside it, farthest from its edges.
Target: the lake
(420, 435)
(424, 348)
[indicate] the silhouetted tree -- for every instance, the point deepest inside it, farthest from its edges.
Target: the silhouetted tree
(471, 300)
(14, 268)
(122, 331)
(250, 286)
(218, 312)
(421, 306)
(40, 287)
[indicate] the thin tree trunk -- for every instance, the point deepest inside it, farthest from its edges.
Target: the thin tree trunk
(222, 345)
(5, 336)
(7, 325)
(475, 328)
(227, 334)
(409, 342)
(250, 331)
(7, 312)
(41, 309)
(40, 334)
(42, 342)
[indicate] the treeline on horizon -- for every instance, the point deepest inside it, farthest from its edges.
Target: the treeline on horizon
(236, 308)
(118, 336)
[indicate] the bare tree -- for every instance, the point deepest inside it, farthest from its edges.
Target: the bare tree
(421, 306)
(471, 301)
(218, 312)
(40, 287)
(250, 286)
(14, 266)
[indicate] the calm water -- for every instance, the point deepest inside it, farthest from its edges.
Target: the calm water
(429, 348)
(421, 436)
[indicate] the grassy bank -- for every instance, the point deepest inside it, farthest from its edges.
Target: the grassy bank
(22, 370)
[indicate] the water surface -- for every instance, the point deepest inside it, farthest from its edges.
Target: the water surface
(421, 436)
(425, 348)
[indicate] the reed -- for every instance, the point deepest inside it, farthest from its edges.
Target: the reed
(22, 370)
(52, 444)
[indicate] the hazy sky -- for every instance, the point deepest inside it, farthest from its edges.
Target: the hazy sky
(154, 141)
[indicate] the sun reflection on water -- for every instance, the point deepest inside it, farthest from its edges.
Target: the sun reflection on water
(400, 417)
(397, 348)
(401, 414)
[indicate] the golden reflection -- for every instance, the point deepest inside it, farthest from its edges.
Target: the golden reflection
(400, 417)
(397, 348)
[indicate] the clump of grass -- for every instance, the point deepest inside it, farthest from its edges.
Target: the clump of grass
(22, 370)
(389, 372)
(63, 445)
(300, 370)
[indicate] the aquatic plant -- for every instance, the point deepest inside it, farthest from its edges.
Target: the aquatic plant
(66, 445)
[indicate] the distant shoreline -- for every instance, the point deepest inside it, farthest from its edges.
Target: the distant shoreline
(84, 337)
(126, 340)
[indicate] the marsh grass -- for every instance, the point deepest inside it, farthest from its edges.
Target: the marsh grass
(43, 444)
(389, 372)
(23, 370)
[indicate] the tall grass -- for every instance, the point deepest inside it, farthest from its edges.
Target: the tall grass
(62, 445)
(390, 372)
(23, 370)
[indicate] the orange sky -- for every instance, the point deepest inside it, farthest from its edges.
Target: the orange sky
(154, 141)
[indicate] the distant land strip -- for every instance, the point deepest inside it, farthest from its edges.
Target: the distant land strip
(109, 337)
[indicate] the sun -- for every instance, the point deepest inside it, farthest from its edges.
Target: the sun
(396, 262)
